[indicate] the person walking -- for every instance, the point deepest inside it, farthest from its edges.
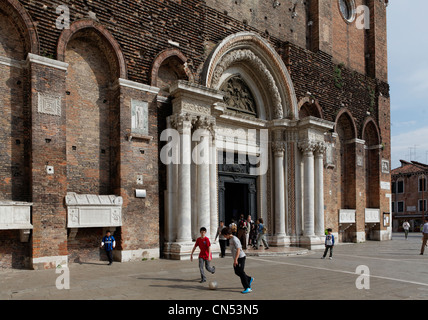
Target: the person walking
(424, 236)
(261, 229)
(253, 235)
(329, 244)
(222, 240)
(406, 227)
(205, 255)
(242, 230)
(250, 223)
(109, 243)
(239, 258)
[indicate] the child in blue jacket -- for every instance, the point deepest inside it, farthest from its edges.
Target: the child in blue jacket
(329, 244)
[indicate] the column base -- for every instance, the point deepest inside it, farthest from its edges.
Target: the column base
(312, 242)
(178, 250)
(279, 240)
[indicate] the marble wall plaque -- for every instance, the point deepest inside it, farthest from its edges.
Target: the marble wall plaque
(372, 215)
(347, 216)
(49, 104)
(91, 210)
(15, 215)
(140, 117)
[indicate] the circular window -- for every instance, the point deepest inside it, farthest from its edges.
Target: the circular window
(347, 8)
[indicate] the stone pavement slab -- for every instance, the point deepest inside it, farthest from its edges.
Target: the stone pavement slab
(396, 272)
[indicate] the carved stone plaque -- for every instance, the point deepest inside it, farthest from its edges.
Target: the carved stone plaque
(372, 215)
(15, 215)
(90, 210)
(49, 104)
(238, 96)
(140, 117)
(347, 216)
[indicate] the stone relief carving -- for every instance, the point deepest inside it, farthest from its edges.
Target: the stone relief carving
(140, 117)
(90, 210)
(247, 56)
(238, 96)
(49, 104)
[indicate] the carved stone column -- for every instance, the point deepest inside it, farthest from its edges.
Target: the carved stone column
(319, 187)
(278, 148)
(201, 155)
(183, 124)
(307, 148)
(213, 182)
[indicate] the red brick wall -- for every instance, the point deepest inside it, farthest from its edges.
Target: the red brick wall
(96, 112)
(88, 122)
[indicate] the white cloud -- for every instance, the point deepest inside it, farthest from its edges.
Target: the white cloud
(416, 139)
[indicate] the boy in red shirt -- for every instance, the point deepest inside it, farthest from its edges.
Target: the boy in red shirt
(205, 255)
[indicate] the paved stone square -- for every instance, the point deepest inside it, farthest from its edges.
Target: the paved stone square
(396, 271)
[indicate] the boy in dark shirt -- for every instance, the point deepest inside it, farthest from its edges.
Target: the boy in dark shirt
(109, 243)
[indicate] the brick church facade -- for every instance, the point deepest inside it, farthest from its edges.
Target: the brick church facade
(293, 95)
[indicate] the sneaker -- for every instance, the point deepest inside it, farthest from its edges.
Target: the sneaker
(251, 281)
(202, 281)
(330, 258)
(248, 290)
(213, 270)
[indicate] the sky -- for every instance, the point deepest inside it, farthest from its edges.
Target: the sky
(408, 79)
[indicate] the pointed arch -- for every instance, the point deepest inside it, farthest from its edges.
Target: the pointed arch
(371, 136)
(370, 132)
(351, 128)
(106, 38)
(346, 131)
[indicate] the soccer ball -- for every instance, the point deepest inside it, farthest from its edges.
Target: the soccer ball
(213, 285)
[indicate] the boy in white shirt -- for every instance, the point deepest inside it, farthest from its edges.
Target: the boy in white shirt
(238, 259)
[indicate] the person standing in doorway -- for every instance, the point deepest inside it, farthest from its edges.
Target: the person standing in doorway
(242, 230)
(250, 223)
(239, 258)
(109, 243)
(424, 236)
(406, 227)
(222, 240)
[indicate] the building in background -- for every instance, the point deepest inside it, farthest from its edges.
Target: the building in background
(409, 196)
(293, 95)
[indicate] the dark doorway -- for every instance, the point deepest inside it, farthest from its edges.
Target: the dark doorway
(236, 201)
(237, 195)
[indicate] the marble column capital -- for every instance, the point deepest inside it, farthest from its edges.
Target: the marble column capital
(182, 121)
(307, 147)
(278, 148)
(203, 122)
(320, 148)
